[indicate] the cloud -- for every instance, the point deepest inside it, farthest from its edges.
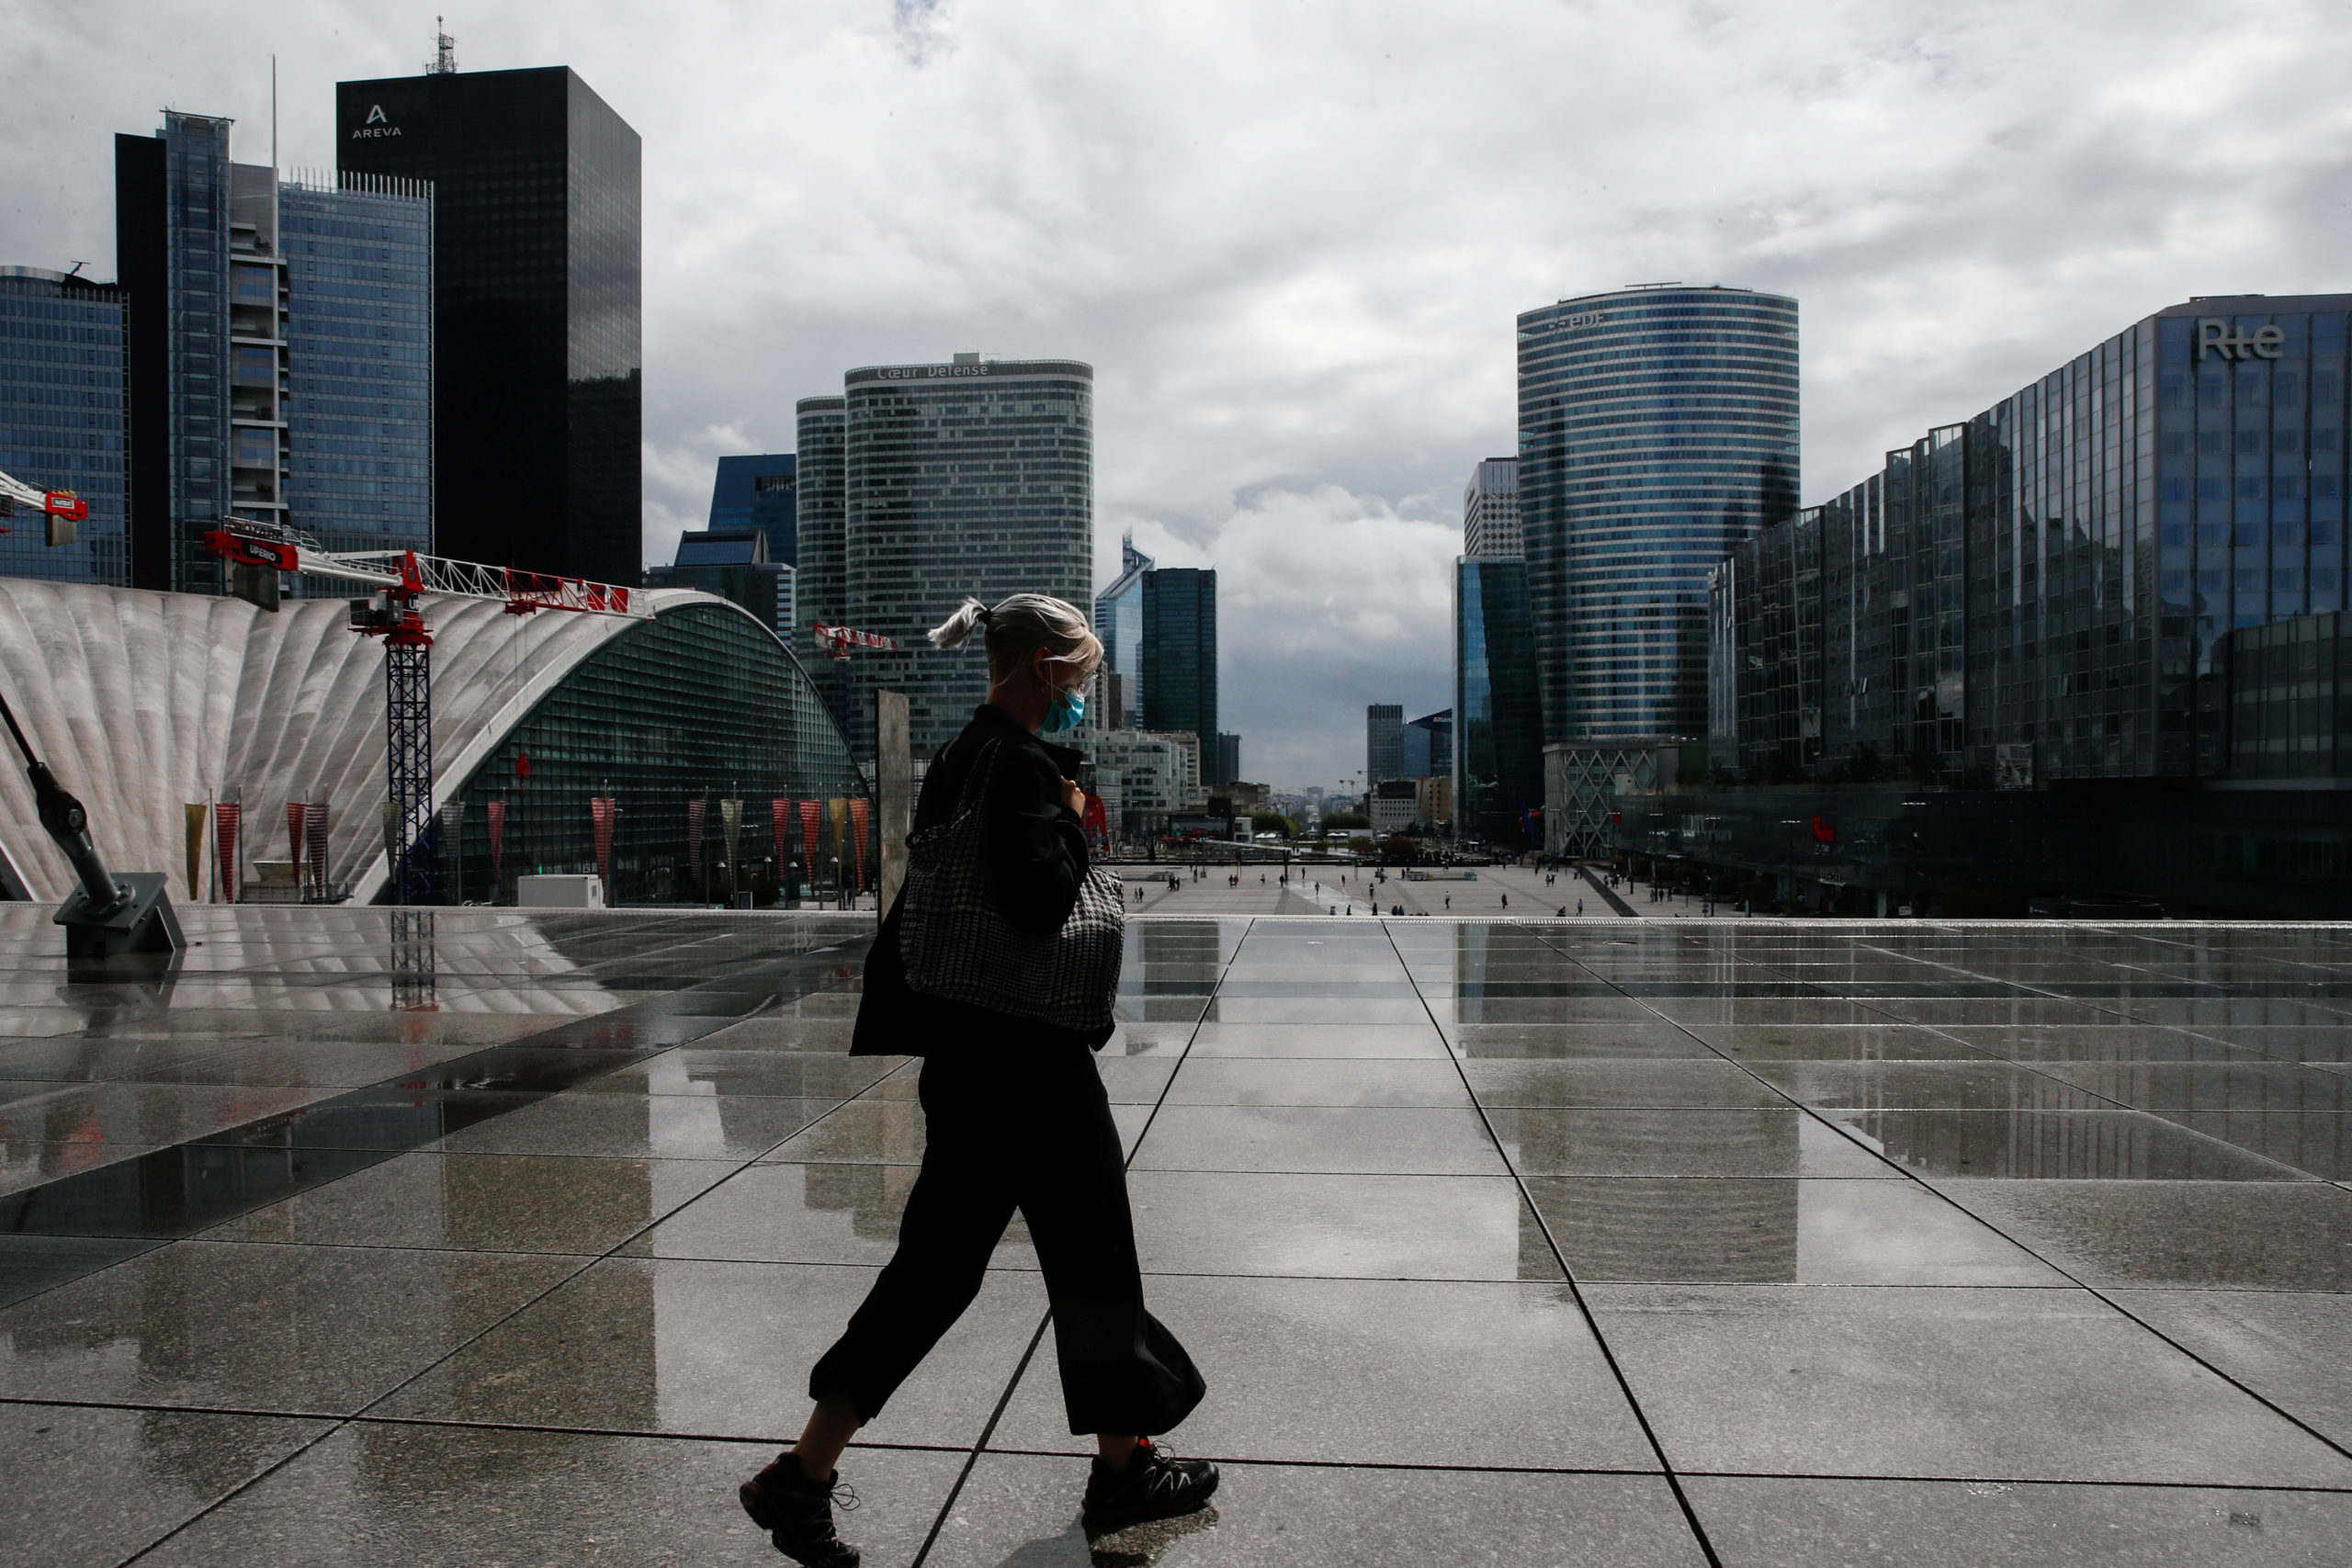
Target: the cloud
(1291, 237)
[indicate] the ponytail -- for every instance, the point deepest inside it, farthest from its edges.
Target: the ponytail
(956, 629)
(1023, 624)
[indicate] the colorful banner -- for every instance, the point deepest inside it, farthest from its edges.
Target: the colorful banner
(497, 812)
(195, 851)
(730, 832)
(782, 813)
(314, 827)
(696, 809)
(808, 810)
(858, 807)
(600, 817)
(295, 812)
(224, 838)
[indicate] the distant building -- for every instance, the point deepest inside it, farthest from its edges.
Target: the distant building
(1384, 742)
(761, 493)
(1118, 621)
(1180, 652)
(1394, 806)
(974, 476)
(733, 564)
(1490, 525)
(1228, 762)
(1429, 745)
(65, 421)
(1143, 776)
(1434, 800)
(538, 285)
(820, 575)
(1497, 763)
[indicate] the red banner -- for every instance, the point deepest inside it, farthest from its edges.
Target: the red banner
(808, 814)
(497, 842)
(696, 809)
(782, 812)
(314, 827)
(859, 807)
(295, 813)
(600, 817)
(224, 835)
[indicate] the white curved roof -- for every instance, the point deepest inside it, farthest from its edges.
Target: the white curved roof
(143, 702)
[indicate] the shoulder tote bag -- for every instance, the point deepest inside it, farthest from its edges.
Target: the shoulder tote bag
(958, 945)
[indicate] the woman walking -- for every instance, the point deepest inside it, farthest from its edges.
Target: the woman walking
(1014, 1113)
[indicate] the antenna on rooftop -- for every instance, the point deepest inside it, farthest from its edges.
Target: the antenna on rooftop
(444, 52)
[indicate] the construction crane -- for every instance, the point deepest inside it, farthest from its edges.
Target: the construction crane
(62, 508)
(838, 640)
(400, 578)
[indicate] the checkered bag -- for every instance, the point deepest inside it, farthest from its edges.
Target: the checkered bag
(958, 945)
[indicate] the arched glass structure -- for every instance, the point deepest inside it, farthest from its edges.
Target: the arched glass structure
(1657, 428)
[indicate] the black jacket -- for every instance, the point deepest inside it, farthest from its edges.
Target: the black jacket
(1037, 859)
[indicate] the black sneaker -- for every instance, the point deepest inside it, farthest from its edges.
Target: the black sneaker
(797, 1513)
(1155, 1485)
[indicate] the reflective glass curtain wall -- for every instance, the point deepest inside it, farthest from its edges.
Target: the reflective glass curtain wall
(1179, 660)
(760, 491)
(1497, 761)
(819, 584)
(1118, 621)
(65, 424)
(1657, 429)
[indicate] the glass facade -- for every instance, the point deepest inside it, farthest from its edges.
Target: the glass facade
(1657, 429)
(761, 493)
(971, 478)
(734, 563)
(2291, 699)
(1118, 622)
(1383, 744)
(1497, 718)
(819, 581)
(65, 421)
(359, 376)
(700, 704)
(538, 284)
(2041, 592)
(1179, 657)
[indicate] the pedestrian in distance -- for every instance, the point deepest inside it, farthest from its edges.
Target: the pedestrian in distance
(1002, 905)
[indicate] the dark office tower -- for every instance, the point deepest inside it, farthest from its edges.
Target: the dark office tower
(760, 492)
(818, 469)
(1180, 655)
(1118, 621)
(63, 424)
(974, 477)
(1229, 760)
(537, 293)
(1658, 429)
(1497, 741)
(1383, 744)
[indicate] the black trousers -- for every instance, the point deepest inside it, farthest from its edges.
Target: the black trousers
(1031, 1131)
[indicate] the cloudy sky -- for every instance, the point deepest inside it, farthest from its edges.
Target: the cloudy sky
(1291, 235)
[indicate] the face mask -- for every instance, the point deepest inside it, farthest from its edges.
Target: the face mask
(1067, 713)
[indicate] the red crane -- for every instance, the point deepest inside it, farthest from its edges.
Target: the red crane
(400, 578)
(60, 508)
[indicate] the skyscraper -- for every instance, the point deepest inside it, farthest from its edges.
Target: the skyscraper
(1229, 760)
(1490, 509)
(1180, 657)
(1383, 744)
(734, 563)
(65, 422)
(1429, 745)
(760, 492)
(974, 476)
(1118, 621)
(818, 580)
(538, 305)
(1497, 761)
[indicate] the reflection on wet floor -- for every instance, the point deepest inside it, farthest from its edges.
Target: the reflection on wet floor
(605, 1183)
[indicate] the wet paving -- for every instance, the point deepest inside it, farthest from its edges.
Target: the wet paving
(363, 1237)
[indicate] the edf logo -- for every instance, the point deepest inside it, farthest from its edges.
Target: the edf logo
(2215, 335)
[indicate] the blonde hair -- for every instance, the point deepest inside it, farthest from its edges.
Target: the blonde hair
(1019, 625)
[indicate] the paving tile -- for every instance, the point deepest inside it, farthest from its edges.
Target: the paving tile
(2211, 1086)
(2075, 1145)
(2292, 1348)
(1371, 1139)
(715, 1349)
(819, 1035)
(486, 1203)
(89, 1487)
(321, 1330)
(1833, 1042)
(31, 1264)
(782, 1075)
(2021, 1384)
(890, 1131)
(1626, 1085)
(1978, 1084)
(654, 1126)
(1390, 1227)
(1020, 1508)
(1329, 1081)
(1373, 1371)
(2094, 1042)
(805, 1213)
(376, 1493)
(1812, 1231)
(26, 1162)
(1587, 1141)
(1802, 1521)
(1652, 1040)
(1323, 1009)
(1374, 1040)
(2294, 1235)
(141, 1114)
(2315, 1143)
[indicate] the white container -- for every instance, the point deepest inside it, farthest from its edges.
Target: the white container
(568, 892)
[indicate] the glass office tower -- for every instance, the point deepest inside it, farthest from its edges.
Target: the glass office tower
(1179, 658)
(1118, 621)
(538, 307)
(1657, 428)
(1383, 744)
(1497, 716)
(1490, 523)
(970, 478)
(761, 493)
(65, 421)
(358, 255)
(818, 582)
